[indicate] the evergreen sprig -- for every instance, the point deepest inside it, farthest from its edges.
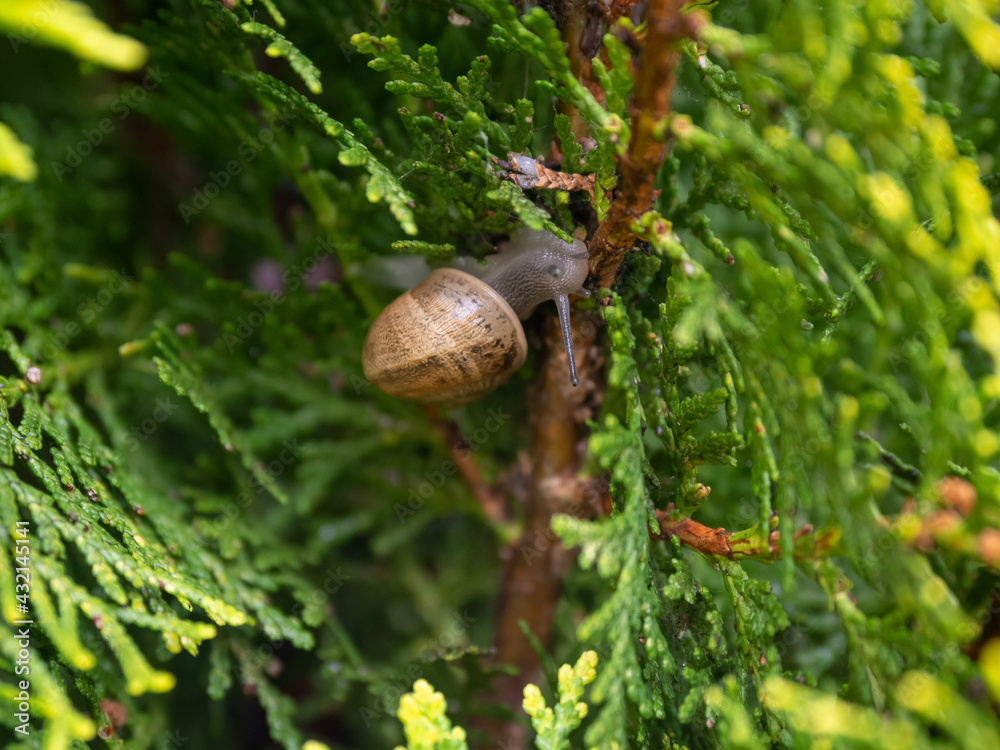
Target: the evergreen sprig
(793, 395)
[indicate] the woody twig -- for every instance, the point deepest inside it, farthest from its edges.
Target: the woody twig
(531, 582)
(809, 543)
(491, 499)
(654, 81)
(527, 173)
(941, 528)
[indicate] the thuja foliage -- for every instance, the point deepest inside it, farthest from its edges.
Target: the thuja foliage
(422, 712)
(798, 407)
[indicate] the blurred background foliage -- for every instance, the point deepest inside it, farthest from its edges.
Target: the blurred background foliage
(201, 217)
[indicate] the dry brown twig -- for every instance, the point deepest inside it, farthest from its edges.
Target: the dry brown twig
(928, 531)
(526, 173)
(721, 543)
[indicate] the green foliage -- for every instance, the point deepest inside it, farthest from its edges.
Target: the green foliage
(553, 726)
(72, 26)
(227, 520)
(66, 24)
(424, 722)
(427, 728)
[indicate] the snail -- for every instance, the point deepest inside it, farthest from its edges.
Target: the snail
(456, 335)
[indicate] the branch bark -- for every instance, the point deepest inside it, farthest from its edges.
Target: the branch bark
(942, 529)
(580, 21)
(491, 499)
(647, 148)
(536, 563)
(809, 544)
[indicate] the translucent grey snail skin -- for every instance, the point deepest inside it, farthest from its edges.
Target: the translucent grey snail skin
(537, 266)
(456, 336)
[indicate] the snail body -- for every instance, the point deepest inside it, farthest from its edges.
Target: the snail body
(457, 334)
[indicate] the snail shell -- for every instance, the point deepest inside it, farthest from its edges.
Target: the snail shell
(456, 335)
(448, 341)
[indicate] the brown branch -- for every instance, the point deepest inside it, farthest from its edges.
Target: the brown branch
(580, 22)
(536, 562)
(490, 498)
(712, 542)
(809, 544)
(612, 10)
(647, 149)
(943, 528)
